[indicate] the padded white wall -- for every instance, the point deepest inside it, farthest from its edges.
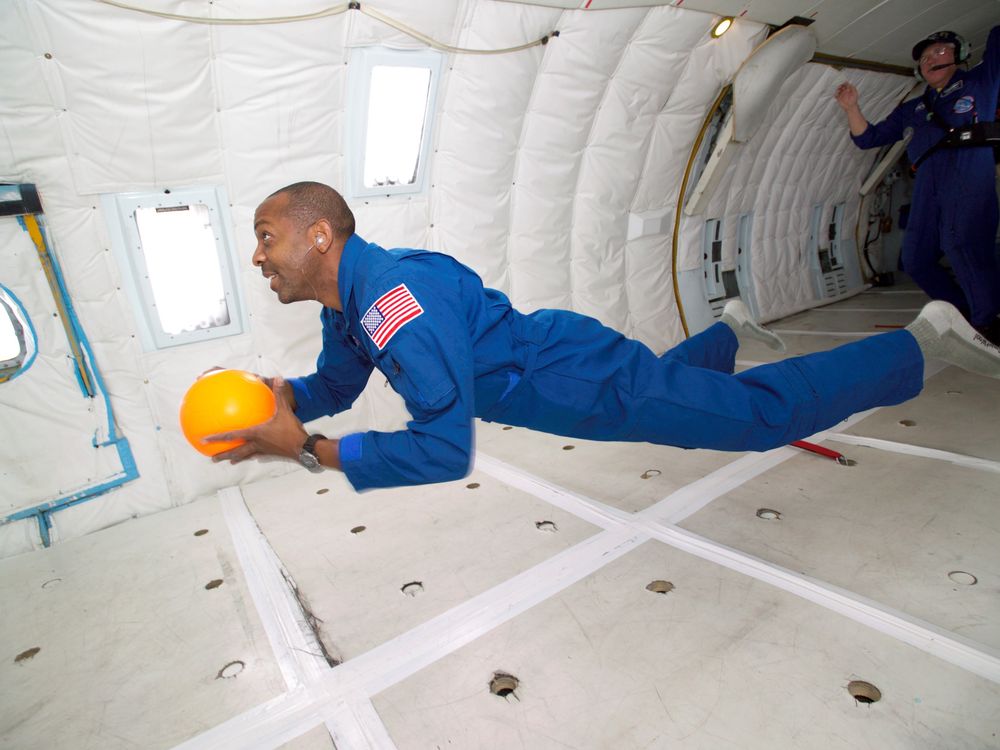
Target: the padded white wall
(538, 158)
(801, 156)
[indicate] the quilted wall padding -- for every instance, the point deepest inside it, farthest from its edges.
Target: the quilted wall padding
(801, 156)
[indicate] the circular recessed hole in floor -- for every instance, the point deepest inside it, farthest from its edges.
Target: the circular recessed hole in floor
(412, 588)
(25, 655)
(650, 473)
(864, 692)
(213, 584)
(322, 490)
(358, 529)
(549, 526)
(768, 514)
(568, 447)
(843, 461)
(907, 423)
(472, 486)
(201, 532)
(508, 427)
(230, 670)
(504, 684)
(660, 587)
(953, 393)
(960, 576)
(51, 583)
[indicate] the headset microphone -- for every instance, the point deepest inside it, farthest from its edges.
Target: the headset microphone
(943, 66)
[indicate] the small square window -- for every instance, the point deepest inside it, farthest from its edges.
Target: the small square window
(174, 251)
(389, 131)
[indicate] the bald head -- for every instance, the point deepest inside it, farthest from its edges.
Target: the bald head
(309, 202)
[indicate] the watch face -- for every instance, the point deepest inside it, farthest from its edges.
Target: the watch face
(307, 457)
(308, 460)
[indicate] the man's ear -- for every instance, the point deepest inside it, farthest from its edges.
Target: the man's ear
(321, 234)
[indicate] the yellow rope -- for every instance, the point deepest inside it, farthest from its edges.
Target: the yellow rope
(680, 203)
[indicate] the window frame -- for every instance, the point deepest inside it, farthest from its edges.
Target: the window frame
(16, 313)
(362, 61)
(120, 210)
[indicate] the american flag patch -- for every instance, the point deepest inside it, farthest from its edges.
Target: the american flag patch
(391, 311)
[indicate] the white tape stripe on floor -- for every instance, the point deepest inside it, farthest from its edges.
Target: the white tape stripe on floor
(693, 497)
(344, 689)
(941, 643)
(962, 652)
(358, 726)
(971, 462)
(268, 725)
(397, 659)
(294, 644)
(592, 511)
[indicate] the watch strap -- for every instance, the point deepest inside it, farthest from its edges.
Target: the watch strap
(309, 446)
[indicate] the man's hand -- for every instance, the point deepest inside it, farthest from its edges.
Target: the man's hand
(282, 435)
(847, 96)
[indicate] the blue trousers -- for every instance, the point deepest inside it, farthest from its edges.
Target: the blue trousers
(954, 213)
(588, 381)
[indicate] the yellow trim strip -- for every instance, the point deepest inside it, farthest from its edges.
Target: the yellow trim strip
(680, 203)
(35, 232)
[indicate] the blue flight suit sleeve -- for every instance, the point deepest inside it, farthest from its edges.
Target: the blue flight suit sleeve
(888, 130)
(341, 374)
(429, 362)
(990, 64)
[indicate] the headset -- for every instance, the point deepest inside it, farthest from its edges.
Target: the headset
(962, 49)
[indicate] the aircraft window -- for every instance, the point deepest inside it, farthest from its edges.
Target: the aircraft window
(174, 250)
(179, 251)
(17, 338)
(389, 135)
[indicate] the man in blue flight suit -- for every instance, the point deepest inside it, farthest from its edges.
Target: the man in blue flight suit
(954, 207)
(455, 350)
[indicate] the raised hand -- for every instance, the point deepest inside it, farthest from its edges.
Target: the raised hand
(847, 96)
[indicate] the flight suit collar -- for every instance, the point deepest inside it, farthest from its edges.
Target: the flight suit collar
(346, 273)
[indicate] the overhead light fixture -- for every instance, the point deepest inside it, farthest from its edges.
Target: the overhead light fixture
(722, 26)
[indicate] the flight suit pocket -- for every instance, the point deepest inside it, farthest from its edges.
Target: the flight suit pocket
(422, 381)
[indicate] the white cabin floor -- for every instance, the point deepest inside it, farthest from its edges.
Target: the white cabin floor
(536, 565)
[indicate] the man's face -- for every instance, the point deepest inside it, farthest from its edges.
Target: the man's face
(934, 55)
(284, 254)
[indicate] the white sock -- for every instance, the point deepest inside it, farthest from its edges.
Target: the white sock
(737, 316)
(942, 333)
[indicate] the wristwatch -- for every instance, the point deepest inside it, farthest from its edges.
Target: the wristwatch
(308, 457)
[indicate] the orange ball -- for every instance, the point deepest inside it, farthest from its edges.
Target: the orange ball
(221, 401)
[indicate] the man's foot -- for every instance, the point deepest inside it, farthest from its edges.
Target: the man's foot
(943, 333)
(737, 316)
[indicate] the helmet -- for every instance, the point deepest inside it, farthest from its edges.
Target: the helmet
(943, 37)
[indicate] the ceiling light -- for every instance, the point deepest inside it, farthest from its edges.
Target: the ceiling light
(722, 26)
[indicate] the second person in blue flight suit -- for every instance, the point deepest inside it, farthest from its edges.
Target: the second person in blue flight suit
(455, 350)
(954, 209)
